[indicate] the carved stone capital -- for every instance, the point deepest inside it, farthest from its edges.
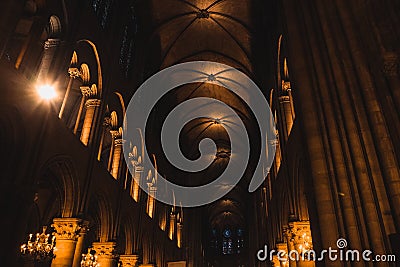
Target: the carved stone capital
(129, 260)
(67, 228)
(300, 234)
(74, 72)
(284, 99)
(92, 103)
(52, 43)
(286, 86)
(116, 134)
(118, 142)
(139, 168)
(85, 90)
(105, 249)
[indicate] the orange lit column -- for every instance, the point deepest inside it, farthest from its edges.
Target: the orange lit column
(116, 160)
(286, 105)
(91, 107)
(67, 234)
(129, 260)
(136, 182)
(172, 220)
(300, 234)
(106, 253)
(281, 257)
(290, 246)
(79, 245)
(151, 200)
(179, 232)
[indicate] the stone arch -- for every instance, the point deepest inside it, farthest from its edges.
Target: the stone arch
(54, 28)
(130, 236)
(60, 174)
(101, 211)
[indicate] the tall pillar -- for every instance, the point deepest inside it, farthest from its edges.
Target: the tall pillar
(79, 245)
(179, 233)
(299, 234)
(67, 233)
(117, 153)
(172, 220)
(286, 106)
(50, 48)
(104, 130)
(91, 105)
(282, 256)
(129, 260)
(290, 246)
(136, 162)
(106, 253)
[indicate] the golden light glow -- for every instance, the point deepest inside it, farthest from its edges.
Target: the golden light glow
(135, 193)
(150, 206)
(46, 91)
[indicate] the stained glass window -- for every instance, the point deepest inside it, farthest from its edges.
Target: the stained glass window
(102, 8)
(128, 43)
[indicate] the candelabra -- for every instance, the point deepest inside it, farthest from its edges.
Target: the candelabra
(89, 259)
(41, 249)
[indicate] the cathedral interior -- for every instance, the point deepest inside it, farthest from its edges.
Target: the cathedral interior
(71, 196)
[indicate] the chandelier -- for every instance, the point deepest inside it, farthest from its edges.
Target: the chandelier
(89, 259)
(40, 249)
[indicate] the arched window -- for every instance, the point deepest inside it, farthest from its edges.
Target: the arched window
(227, 242)
(240, 240)
(102, 8)
(128, 43)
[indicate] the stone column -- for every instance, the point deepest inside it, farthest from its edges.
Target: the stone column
(129, 260)
(151, 200)
(50, 48)
(106, 253)
(290, 245)
(116, 159)
(67, 233)
(91, 107)
(136, 162)
(172, 220)
(80, 243)
(282, 256)
(286, 108)
(300, 236)
(179, 232)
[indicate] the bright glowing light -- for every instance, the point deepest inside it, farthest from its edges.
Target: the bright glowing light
(46, 91)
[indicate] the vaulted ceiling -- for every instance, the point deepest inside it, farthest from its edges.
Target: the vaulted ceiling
(205, 30)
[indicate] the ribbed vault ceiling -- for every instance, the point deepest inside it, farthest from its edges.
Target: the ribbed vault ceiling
(204, 30)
